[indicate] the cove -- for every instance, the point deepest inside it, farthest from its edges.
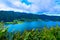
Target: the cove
(31, 25)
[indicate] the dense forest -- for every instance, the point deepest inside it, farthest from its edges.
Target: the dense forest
(8, 16)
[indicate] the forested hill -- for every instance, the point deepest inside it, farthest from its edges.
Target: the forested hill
(7, 16)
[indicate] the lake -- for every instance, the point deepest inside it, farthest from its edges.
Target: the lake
(31, 25)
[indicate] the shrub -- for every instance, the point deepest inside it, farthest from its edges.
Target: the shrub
(3, 32)
(45, 33)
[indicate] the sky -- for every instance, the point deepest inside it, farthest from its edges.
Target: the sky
(32, 6)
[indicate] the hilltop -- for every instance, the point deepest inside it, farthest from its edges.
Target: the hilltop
(8, 16)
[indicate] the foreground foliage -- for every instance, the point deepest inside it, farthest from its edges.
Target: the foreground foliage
(45, 33)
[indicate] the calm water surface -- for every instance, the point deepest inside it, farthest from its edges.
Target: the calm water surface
(31, 25)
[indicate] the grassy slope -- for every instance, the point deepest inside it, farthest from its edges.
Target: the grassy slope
(52, 33)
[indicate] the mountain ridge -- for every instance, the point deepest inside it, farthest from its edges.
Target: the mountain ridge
(8, 16)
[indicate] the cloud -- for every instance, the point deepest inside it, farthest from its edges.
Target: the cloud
(42, 5)
(14, 5)
(36, 6)
(55, 11)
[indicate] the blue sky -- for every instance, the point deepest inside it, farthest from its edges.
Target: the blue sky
(32, 6)
(26, 2)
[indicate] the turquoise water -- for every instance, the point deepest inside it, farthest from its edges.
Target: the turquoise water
(31, 25)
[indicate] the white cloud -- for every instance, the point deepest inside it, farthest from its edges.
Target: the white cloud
(42, 4)
(47, 6)
(55, 11)
(4, 7)
(15, 5)
(52, 14)
(18, 4)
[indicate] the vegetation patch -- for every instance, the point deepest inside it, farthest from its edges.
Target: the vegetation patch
(45, 33)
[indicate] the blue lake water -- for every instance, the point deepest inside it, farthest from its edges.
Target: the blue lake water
(31, 25)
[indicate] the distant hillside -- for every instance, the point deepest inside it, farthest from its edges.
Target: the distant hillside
(7, 16)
